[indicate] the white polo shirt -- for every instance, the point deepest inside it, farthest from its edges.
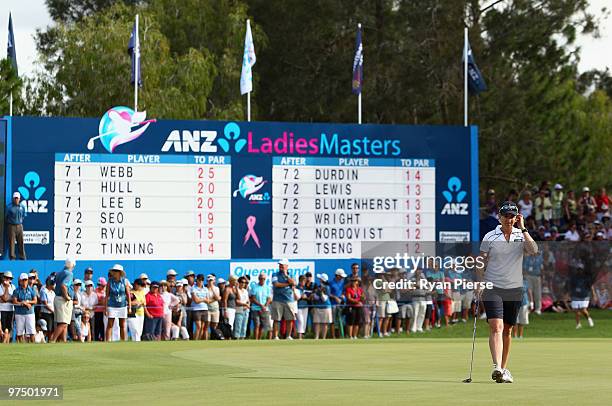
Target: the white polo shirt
(505, 258)
(7, 306)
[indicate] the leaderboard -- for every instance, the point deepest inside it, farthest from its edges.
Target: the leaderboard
(325, 207)
(114, 207)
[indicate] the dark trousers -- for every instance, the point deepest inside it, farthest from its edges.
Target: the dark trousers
(189, 323)
(15, 233)
(152, 328)
(99, 331)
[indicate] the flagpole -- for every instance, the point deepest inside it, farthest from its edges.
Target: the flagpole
(359, 96)
(11, 104)
(465, 77)
(136, 67)
(249, 106)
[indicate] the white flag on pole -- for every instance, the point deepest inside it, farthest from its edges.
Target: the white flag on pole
(248, 60)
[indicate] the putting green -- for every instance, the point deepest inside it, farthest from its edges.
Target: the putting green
(376, 371)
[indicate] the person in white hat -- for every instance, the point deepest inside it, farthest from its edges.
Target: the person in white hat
(337, 298)
(118, 300)
(62, 303)
(557, 198)
(24, 299)
(282, 295)
(7, 310)
(15, 213)
(214, 295)
(171, 279)
(322, 307)
(89, 300)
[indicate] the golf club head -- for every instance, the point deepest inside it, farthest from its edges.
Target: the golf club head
(467, 380)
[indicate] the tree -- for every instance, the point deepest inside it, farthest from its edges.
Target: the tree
(10, 83)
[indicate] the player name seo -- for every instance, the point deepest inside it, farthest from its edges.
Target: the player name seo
(408, 284)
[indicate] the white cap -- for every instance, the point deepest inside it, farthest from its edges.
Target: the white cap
(89, 283)
(558, 186)
(184, 281)
(586, 189)
(23, 276)
(211, 278)
(77, 282)
(171, 272)
(8, 274)
(220, 281)
(16, 194)
(340, 272)
(117, 267)
(283, 261)
(143, 276)
(179, 283)
(323, 277)
(32, 273)
(69, 263)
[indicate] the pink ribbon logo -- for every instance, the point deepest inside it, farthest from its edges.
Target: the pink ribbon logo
(250, 222)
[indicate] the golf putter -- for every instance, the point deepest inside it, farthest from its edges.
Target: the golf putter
(469, 379)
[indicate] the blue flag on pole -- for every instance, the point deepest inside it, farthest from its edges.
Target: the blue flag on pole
(134, 52)
(358, 64)
(10, 48)
(476, 81)
(248, 60)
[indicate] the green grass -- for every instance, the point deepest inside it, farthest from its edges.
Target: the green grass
(562, 369)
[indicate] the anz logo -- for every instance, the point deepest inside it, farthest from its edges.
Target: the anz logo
(32, 193)
(454, 198)
(203, 140)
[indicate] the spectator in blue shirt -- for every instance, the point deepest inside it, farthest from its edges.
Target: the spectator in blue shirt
(62, 303)
(282, 295)
(322, 307)
(337, 297)
(24, 299)
(532, 266)
(15, 214)
(260, 296)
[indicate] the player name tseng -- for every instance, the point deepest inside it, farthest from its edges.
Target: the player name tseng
(355, 204)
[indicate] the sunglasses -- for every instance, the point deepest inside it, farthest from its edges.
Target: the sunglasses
(509, 216)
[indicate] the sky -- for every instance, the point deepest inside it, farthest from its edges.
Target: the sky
(28, 15)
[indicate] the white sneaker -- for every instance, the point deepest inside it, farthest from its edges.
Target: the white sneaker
(538, 312)
(483, 316)
(380, 335)
(387, 334)
(497, 374)
(507, 377)
(289, 338)
(591, 322)
(463, 320)
(578, 326)
(276, 338)
(420, 330)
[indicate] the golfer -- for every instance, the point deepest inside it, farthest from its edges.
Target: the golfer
(502, 250)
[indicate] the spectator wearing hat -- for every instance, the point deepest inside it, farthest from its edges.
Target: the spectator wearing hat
(24, 299)
(7, 309)
(15, 213)
(171, 279)
(557, 199)
(146, 282)
(154, 314)
(570, 207)
(62, 303)
(170, 303)
(214, 294)
(532, 271)
(572, 234)
(321, 307)
(337, 298)
(282, 295)
(77, 310)
(178, 328)
(99, 316)
(229, 300)
(135, 320)
(89, 300)
(602, 201)
(587, 204)
(199, 306)
(47, 296)
(87, 276)
(119, 300)
(190, 278)
(260, 296)
(41, 332)
(302, 303)
(243, 307)
(491, 203)
(355, 298)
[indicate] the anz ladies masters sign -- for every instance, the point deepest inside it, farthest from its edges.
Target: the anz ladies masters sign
(131, 187)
